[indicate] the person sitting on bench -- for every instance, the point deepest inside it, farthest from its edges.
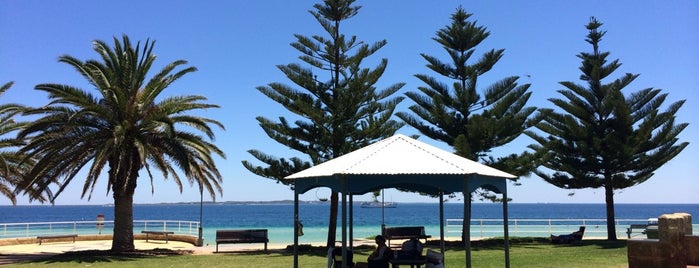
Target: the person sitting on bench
(568, 238)
(411, 249)
(379, 258)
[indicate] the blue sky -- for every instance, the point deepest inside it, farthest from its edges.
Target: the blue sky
(237, 44)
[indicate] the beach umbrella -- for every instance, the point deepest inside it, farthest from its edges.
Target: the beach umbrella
(404, 163)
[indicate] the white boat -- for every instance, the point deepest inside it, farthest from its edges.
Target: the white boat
(376, 204)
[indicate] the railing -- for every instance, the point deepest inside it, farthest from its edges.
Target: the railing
(13, 230)
(484, 228)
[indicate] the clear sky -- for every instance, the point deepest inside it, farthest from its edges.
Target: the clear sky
(237, 44)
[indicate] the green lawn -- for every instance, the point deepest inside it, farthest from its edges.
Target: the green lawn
(588, 253)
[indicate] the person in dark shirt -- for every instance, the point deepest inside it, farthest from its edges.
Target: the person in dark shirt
(379, 258)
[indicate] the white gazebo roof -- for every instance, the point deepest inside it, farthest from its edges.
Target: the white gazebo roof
(403, 162)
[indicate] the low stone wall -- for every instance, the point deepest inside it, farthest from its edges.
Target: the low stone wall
(692, 245)
(17, 241)
(173, 237)
(32, 240)
(644, 253)
(675, 246)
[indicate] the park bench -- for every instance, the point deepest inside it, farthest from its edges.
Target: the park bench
(163, 234)
(47, 237)
(404, 232)
(632, 227)
(241, 236)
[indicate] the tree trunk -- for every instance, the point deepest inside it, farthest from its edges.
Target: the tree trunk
(332, 221)
(124, 186)
(123, 223)
(611, 220)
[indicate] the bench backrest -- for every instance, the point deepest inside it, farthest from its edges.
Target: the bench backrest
(405, 231)
(253, 234)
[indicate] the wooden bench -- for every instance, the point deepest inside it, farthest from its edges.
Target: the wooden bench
(404, 232)
(632, 227)
(241, 236)
(45, 237)
(164, 234)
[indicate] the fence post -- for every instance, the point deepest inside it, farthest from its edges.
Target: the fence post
(481, 227)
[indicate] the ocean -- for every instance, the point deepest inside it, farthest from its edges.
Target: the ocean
(526, 219)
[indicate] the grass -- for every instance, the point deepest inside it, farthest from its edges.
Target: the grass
(523, 253)
(588, 253)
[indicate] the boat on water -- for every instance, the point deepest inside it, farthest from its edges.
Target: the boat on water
(376, 204)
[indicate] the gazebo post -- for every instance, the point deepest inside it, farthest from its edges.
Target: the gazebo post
(507, 227)
(467, 221)
(441, 221)
(351, 222)
(296, 229)
(344, 223)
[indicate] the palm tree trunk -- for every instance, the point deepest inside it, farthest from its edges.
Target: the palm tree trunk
(611, 220)
(332, 222)
(123, 223)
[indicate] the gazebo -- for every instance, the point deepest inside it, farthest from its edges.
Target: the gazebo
(405, 163)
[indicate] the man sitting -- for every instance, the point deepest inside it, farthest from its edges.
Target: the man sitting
(411, 248)
(378, 258)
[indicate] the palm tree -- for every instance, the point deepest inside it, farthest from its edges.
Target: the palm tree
(125, 127)
(10, 161)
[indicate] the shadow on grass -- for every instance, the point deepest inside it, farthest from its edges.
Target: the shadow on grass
(304, 250)
(489, 244)
(102, 256)
(499, 243)
(604, 244)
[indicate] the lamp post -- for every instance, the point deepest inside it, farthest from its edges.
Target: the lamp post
(200, 240)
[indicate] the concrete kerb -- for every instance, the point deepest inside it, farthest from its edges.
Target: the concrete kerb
(33, 240)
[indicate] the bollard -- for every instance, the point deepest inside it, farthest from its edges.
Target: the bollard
(671, 232)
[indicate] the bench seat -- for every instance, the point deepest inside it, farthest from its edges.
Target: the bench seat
(404, 232)
(242, 237)
(163, 234)
(46, 237)
(650, 230)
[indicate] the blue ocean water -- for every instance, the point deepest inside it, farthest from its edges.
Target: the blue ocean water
(278, 217)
